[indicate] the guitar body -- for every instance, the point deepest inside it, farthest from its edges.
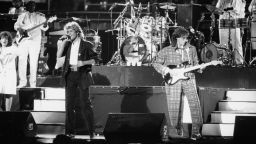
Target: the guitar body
(21, 36)
(174, 76)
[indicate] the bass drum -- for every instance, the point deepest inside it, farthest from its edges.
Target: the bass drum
(133, 51)
(214, 51)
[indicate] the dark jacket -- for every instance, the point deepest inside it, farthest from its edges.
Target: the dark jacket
(85, 53)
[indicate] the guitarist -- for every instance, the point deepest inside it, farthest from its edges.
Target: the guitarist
(31, 45)
(176, 54)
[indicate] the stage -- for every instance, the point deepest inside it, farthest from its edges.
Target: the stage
(212, 76)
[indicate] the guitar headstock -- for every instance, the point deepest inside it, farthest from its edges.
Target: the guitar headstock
(51, 19)
(216, 62)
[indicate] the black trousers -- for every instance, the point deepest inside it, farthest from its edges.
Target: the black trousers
(77, 86)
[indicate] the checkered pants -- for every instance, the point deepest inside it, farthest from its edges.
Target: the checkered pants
(173, 95)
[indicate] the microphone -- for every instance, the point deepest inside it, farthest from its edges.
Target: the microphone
(192, 30)
(64, 37)
(113, 5)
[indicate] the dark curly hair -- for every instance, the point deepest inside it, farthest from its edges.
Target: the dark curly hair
(8, 35)
(31, 6)
(178, 32)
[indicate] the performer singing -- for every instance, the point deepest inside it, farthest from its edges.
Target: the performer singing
(79, 57)
(8, 75)
(30, 46)
(177, 53)
(232, 10)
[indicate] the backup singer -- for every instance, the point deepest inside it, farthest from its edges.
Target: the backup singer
(177, 53)
(30, 46)
(79, 57)
(8, 76)
(232, 9)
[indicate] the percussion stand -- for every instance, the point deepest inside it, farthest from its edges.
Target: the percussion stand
(230, 47)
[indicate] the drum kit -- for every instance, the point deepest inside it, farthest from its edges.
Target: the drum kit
(140, 37)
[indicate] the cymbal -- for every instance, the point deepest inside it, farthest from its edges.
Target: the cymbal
(167, 6)
(213, 9)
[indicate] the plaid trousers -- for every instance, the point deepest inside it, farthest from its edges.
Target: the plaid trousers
(173, 96)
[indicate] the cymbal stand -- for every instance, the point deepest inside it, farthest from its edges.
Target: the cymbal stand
(168, 19)
(116, 58)
(212, 27)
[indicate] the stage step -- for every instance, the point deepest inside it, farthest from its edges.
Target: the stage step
(227, 116)
(241, 95)
(240, 106)
(49, 117)
(50, 128)
(212, 129)
(49, 105)
(54, 93)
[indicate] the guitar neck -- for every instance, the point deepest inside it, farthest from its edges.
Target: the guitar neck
(36, 26)
(197, 67)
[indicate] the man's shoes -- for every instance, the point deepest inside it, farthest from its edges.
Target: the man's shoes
(175, 134)
(92, 135)
(21, 86)
(196, 136)
(70, 135)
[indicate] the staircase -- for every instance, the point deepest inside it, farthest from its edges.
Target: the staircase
(48, 109)
(237, 102)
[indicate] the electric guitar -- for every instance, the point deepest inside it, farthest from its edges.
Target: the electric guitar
(24, 33)
(176, 74)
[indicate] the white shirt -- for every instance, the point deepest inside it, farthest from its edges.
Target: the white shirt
(74, 51)
(237, 5)
(28, 20)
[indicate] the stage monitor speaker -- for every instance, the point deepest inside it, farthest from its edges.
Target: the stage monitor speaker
(244, 130)
(17, 124)
(134, 127)
(27, 96)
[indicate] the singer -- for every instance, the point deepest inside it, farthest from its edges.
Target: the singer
(79, 58)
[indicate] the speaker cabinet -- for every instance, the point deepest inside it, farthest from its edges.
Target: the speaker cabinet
(188, 15)
(17, 124)
(27, 96)
(244, 129)
(134, 128)
(110, 99)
